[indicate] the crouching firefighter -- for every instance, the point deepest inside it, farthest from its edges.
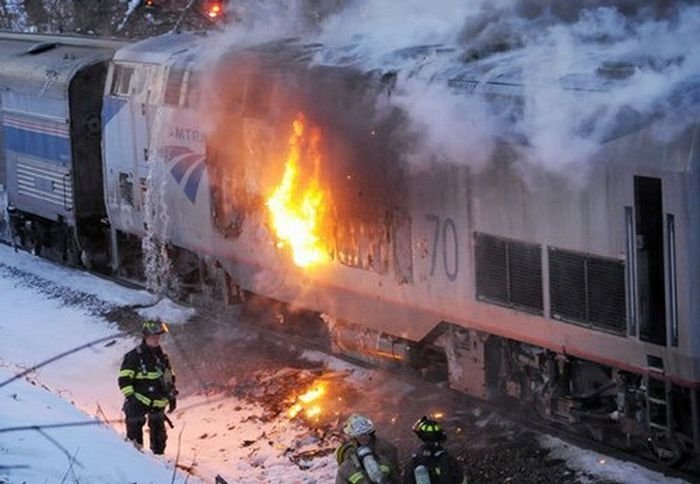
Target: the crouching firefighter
(147, 381)
(365, 458)
(431, 463)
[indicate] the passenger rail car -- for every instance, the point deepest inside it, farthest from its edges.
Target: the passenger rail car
(51, 99)
(579, 299)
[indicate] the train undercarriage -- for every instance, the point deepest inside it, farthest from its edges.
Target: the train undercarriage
(641, 414)
(626, 410)
(81, 246)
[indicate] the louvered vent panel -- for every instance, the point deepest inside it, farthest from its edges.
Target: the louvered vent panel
(567, 285)
(525, 262)
(491, 270)
(606, 294)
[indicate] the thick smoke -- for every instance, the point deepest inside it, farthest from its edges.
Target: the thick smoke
(592, 79)
(580, 73)
(258, 21)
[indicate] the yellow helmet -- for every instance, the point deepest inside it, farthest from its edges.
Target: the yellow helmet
(153, 326)
(429, 430)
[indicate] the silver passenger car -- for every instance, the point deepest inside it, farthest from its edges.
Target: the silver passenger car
(50, 87)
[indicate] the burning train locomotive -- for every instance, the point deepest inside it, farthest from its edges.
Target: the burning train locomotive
(294, 186)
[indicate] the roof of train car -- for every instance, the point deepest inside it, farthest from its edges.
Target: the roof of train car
(511, 75)
(68, 39)
(505, 73)
(160, 49)
(45, 64)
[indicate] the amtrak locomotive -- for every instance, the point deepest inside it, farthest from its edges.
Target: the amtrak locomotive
(578, 300)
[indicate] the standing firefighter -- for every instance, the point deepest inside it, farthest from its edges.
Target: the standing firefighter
(365, 458)
(148, 383)
(431, 464)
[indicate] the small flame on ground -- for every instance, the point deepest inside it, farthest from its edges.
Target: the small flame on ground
(302, 402)
(298, 203)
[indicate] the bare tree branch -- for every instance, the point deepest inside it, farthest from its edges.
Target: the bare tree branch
(70, 467)
(176, 27)
(177, 456)
(101, 412)
(18, 466)
(82, 423)
(57, 444)
(61, 355)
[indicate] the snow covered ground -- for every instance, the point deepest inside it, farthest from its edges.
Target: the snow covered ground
(37, 324)
(35, 327)
(88, 453)
(45, 312)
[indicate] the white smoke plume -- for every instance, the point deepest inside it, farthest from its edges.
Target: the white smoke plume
(578, 73)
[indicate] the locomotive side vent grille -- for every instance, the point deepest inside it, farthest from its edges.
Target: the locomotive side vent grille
(606, 293)
(525, 267)
(509, 273)
(491, 269)
(588, 290)
(567, 285)
(654, 362)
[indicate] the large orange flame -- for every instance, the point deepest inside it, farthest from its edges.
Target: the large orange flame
(298, 203)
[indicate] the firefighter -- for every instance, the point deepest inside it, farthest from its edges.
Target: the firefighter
(147, 381)
(431, 463)
(365, 458)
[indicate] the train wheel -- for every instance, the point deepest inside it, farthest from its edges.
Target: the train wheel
(666, 449)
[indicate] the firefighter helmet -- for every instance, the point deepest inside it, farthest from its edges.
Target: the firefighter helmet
(357, 425)
(153, 326)
(428, 430)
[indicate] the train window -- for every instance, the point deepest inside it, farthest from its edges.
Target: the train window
(403, 247)
(126, 189)
(587, 289)
(173, 87)
(509, 273)
(192, 90)
(228, 197)
(146, 84)
(362, 244)
(121, 80)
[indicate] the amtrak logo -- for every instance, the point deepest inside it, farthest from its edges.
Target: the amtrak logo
(186, 164)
